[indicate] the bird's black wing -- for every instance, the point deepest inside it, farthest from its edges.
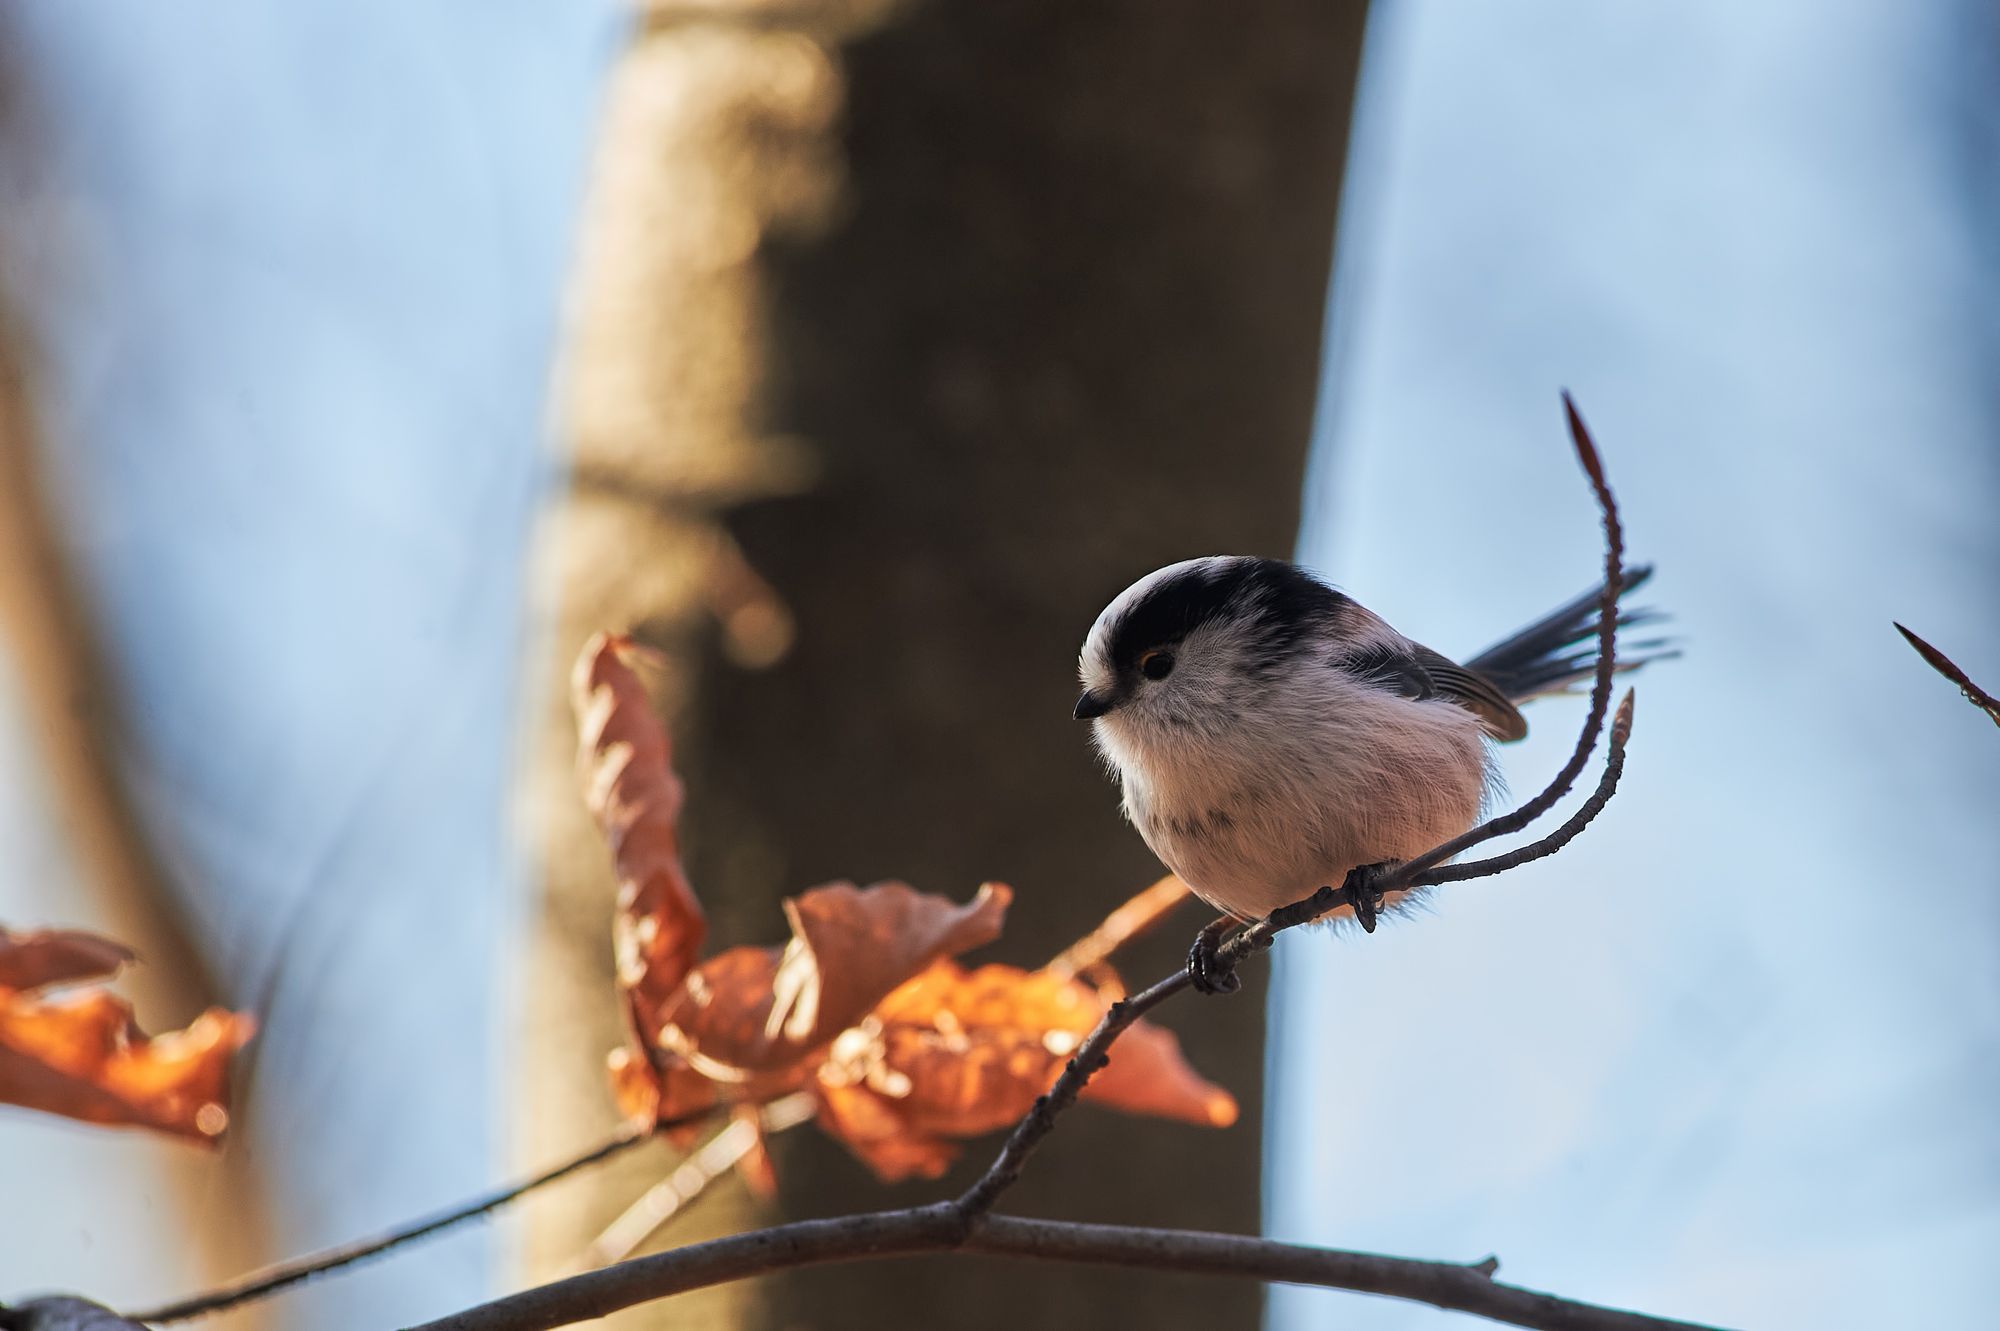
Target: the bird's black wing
(1418, 673)
(1476, 693)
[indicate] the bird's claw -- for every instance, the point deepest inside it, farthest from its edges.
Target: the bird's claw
(1208, 970)
(1361, 886)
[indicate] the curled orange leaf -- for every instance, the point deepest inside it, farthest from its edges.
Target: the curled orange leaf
(852, 947)
(84, 1057)
(626, 763)
(749, 1024)
(957, 1053)
(57, 956)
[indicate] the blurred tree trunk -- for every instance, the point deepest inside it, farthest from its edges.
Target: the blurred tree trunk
(905, 336)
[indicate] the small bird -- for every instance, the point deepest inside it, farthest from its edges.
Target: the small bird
(1272, 734)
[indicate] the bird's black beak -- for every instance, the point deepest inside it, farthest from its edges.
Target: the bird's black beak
(1092, 705)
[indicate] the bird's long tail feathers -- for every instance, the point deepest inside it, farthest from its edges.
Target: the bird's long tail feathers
(1559, 650)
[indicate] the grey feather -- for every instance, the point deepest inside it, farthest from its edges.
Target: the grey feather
(1474, 691)
(1412, 670)
(1559, 649)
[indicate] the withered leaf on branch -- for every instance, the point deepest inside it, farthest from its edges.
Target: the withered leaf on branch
(83, 1056)
(750, 1024)
(863, 1008)
(631, 790)
(957, 1053)
(57, 956)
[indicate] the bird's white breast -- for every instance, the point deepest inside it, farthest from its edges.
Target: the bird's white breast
(1261, 811)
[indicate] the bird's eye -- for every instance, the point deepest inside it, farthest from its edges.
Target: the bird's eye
(1156, 665)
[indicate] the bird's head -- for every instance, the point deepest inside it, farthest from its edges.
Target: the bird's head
(1191, 645)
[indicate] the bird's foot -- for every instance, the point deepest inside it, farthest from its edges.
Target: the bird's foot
(1361, 886)
(1208, 970)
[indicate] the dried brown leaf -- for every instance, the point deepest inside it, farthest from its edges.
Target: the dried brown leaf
(83, 1057)
(851, 947)
(749, 1024)
(1148, 1075)
(957, 1053)
(57, 956)
(710, 1047)
(869, 1125)
(626, 764)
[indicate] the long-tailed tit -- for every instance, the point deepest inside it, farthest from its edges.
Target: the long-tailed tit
(1272, 734)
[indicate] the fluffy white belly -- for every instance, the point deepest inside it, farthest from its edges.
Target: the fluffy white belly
(1248, 842)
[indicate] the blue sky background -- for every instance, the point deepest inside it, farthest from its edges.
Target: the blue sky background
(1732, 1056)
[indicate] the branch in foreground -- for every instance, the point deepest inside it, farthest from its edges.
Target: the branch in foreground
(1945, 666)
(259, 1284)
(942, 1228)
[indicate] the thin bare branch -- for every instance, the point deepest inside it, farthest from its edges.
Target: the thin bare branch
(1467, 1288)
(1945, 666)
(259, 1284)
(1607, 785)
(692, 1178)
(1040, 1120)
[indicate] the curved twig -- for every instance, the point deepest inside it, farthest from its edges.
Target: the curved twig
(1415, 870)
(1947, 667)
(1090, 1056)
(1607, 785)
